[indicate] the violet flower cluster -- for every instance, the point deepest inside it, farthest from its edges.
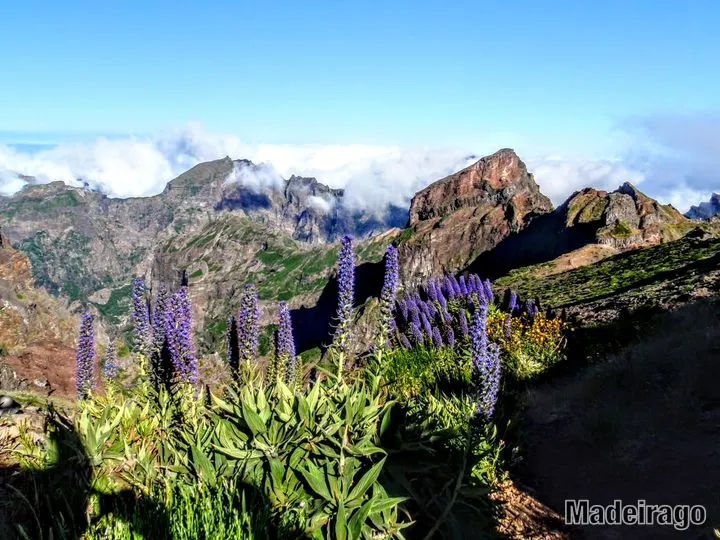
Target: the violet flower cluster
(248, 324)
(85, 357)
(485, 364)
(436, 313)
(141, 317)
(389, 293)
(346, 294)
(110, 362)
(178, 325)
(285, 343)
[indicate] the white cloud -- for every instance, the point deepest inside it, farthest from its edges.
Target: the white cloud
(672, 158)
(559, 177)
(319, 204)
(262, 176)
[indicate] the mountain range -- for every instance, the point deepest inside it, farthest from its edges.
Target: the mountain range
(227, 222)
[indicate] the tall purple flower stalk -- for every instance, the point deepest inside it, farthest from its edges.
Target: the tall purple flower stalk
(485, 363)
(512, 302)
(346, 294)
(285, 354)
(389, 293)
(159, 315)
(110, 366)
(248, 323)
(507, 329)
(141, 317)
(85, 357)
(487, 288)
(182, 350)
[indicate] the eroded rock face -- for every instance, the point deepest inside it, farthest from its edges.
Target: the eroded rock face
(706, 210)
(624, 218)
(455, 219)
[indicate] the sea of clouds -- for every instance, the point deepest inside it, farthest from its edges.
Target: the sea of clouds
(666, 164)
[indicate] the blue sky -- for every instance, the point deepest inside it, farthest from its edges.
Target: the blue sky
(554, 76)
(377, 97)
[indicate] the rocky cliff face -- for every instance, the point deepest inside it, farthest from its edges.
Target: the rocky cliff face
(470, 212)
(624, 218)
(706, 210)
(621, 220)
(37, 331)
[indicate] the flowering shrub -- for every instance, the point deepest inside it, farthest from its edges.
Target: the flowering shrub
(529, 343)
(419, 420)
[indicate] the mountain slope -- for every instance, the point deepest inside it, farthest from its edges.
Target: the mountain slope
(37, 332)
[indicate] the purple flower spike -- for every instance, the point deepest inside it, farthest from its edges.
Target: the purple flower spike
(530, 308)
(512, 302)
(455, 286)
(403, 307)
(417, 334)
(448, 287)
(405, 341)
(389, 290)
(182, 350)
(285, 340)
(508, 326)
(162, 303)
(415, 317)
(442, 302)
(141, 317)
(346, 293)
(487, 287)
(427, 327)
(463, 286)
(463, 322)
(110, 367)
(433, 290)
(85, 357)
(490, 377)
(248, 322)
(450, 337)
(436, 337)
(486, 364)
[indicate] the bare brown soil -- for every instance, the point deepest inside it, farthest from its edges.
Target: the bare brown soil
(48, 360)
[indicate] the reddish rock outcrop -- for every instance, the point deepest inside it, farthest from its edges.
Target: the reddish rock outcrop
(455, 219)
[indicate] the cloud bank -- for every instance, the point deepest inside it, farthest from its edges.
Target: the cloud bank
(672, 158)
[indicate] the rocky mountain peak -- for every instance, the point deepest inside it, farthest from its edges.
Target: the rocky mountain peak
(622, 218)
(706, 210)
(498, 179)
(462, 215)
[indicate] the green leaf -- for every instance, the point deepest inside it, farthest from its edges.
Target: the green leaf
(315, 478)
(341, 523)
(386, 419)
(356, 522)
(253, 420)
(368, 479)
